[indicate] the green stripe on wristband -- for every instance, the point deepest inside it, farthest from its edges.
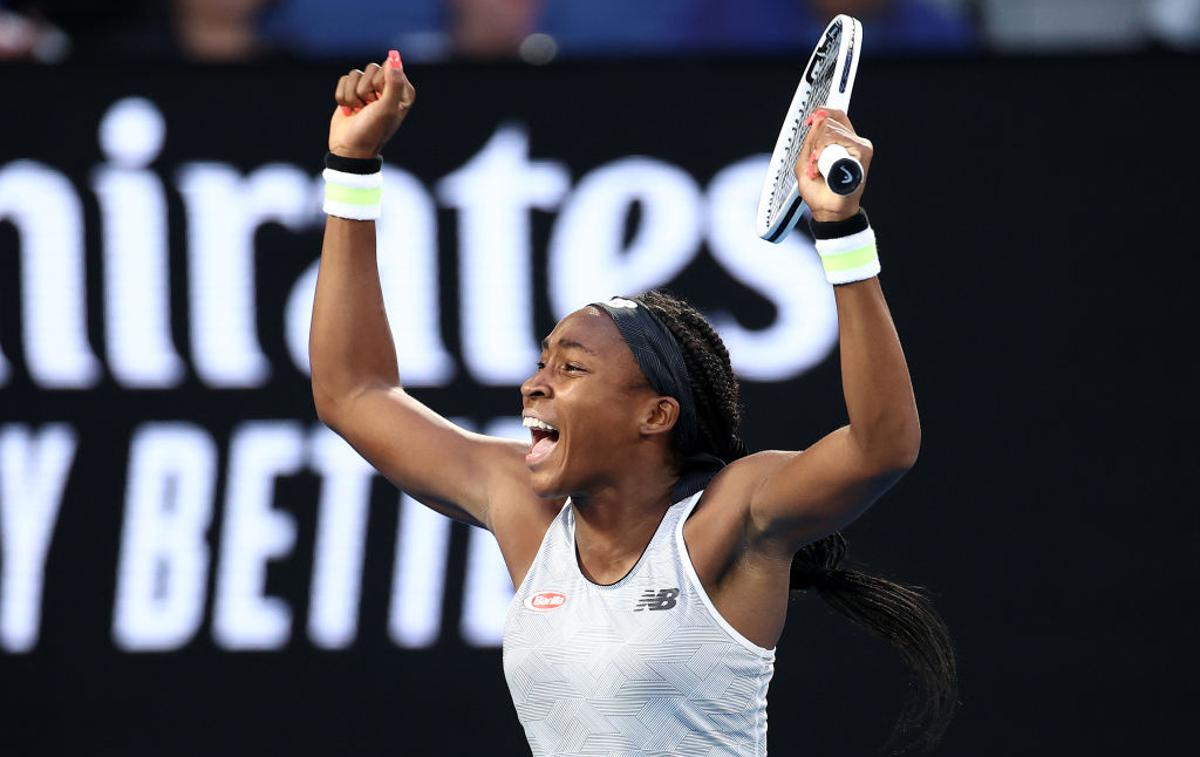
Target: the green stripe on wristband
(845, 261)
(352, 196)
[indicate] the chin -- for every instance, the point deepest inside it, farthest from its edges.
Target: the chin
(546, 485)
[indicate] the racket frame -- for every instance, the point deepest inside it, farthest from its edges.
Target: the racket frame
(849, 51)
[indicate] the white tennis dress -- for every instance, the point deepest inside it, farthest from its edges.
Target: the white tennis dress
(641, 667)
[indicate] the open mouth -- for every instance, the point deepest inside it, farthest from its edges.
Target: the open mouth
(544, 439)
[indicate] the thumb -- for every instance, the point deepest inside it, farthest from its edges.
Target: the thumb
(395, 83)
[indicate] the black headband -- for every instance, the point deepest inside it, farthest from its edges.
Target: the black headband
(660, 358)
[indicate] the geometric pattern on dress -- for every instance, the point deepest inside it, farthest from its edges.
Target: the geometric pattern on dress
(596, 677)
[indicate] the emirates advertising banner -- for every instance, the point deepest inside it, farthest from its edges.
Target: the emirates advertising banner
(154, 360)
(192, 564)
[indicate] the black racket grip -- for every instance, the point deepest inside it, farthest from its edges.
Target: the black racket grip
(843, 173)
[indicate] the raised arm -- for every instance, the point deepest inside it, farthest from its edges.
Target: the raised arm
(355, 378)
(798, 497)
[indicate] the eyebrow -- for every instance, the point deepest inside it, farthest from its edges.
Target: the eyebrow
(568, 343)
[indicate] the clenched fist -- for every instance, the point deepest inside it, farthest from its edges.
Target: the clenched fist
(371, 106)
(830, 127)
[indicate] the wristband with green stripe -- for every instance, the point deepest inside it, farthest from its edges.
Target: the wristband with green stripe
(357, 197)
(850, 258)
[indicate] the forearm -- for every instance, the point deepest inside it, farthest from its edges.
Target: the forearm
(875, 379)
(350, 344)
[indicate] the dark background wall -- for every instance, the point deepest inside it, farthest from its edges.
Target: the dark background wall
(1034, 223)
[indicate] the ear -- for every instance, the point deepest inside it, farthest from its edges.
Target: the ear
(660, 416)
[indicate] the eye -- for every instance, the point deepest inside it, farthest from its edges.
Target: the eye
(572, 367)
(541, 364)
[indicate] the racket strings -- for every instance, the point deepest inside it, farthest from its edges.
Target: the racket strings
(786, 178)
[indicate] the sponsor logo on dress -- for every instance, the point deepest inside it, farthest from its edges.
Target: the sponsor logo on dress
(656, 599)
(545, 601)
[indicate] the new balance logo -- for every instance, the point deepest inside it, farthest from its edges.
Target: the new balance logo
(660, 599)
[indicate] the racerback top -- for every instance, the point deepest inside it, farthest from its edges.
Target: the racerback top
(641, 667)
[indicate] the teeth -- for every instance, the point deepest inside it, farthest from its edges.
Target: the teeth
(531, 422)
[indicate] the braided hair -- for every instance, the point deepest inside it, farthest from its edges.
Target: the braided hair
(901, 615)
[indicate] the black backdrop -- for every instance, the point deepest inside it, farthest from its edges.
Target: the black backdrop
(1033, 225)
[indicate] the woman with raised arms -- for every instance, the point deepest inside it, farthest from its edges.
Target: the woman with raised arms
(652, 556)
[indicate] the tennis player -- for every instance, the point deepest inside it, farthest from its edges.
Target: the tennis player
(653, 557)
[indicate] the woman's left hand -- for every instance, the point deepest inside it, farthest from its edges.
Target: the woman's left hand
(830, 127)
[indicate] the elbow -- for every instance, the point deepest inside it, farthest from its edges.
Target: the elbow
(894, 452)
(336, 409)
(906, 449)
(326, 407)
(330, 406)
(904, 457)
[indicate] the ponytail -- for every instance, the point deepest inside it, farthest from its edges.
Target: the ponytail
(900, 615)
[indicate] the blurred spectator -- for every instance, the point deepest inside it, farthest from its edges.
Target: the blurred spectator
(1090, 25)
(423, 30)
(492, 28)
(218, 31)
(1175, 22)
(47, 30)
(202, 30)
(25, 38)
(902, 25)
(420, 29)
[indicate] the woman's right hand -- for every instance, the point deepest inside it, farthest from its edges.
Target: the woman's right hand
(371, 104)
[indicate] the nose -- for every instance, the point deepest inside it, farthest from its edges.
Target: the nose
(536, 385)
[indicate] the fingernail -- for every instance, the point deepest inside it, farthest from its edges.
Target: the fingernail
(346, 109)
(809, 121)
(394, 59)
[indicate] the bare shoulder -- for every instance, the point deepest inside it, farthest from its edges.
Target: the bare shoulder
(518, 519)
(719, 528)
(732, 488)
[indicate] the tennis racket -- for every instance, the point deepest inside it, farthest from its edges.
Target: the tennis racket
(827, 83)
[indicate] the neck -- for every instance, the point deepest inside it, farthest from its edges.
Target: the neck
(615, 522)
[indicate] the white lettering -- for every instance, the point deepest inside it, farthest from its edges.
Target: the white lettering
(224, 211)
(589, 260)
(162, 569)
(133, 210)
(341, 534)
(33, 474)
(253, 533)
(494, 192)
(418, 575)
(43, 206)
(788, 274)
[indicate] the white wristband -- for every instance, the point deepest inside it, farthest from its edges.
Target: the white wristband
(355, 196)
(849, 259)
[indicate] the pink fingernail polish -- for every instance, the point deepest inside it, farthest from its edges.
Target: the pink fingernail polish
(346, 110)
(394, 59)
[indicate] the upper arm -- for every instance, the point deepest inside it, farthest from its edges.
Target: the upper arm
(798, 497)
(447, 468)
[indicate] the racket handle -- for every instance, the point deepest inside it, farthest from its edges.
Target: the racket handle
(842, 172)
